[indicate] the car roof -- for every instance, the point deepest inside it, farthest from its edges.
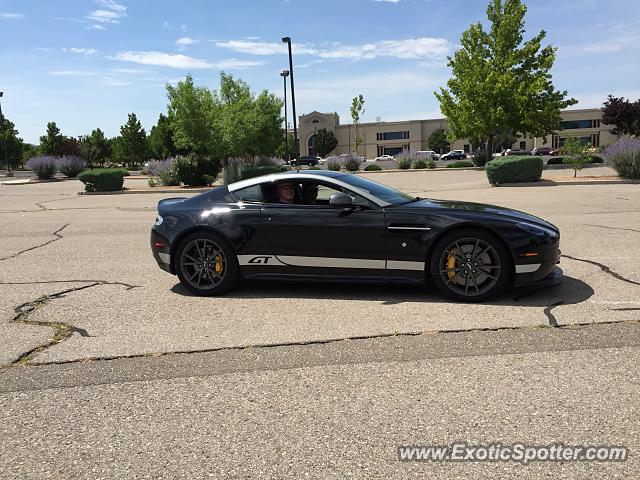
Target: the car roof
(337, 178)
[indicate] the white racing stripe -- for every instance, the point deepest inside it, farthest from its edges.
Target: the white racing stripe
(402, 265)
(529, 268)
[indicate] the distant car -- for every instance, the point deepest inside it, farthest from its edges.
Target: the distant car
(515, 151)
(454, 155)
(427, 154)
(541, 151)
(385, 158)
(554, 151)
(310, 160)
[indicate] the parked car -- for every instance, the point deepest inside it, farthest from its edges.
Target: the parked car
(321, 225)
(541, 151)
(454, 155)
(384, 158)
(310, 160)
(515, 151)
(554, 152)
(427, 154)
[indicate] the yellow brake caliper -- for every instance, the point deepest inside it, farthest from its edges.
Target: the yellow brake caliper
(451, 263)
(218, 264)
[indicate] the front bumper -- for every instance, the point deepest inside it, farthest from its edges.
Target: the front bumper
(535, 273)
(160, 248)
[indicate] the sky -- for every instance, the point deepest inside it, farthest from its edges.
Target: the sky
(88, 63)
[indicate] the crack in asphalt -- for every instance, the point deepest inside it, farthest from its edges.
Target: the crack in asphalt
(613, 228)
(604, 268)
(331, 341)
(56, 234)
(62, 329)
(553, 321)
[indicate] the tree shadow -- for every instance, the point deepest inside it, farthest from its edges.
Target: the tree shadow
(569, 291)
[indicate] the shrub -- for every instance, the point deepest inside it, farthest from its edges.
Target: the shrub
(479, 158)
(555, 161)
(43, 167)
(352, 164)
(165, 170)
(268, 162)
(251, 171)
(102, 179)
(70, 166)
(624, 157)
(596, 159)
(514, 169)
(419, 164)
(232, 170)
(197, 170)
(431, 163)
(314, 168)
(372, 168)
(333, 164)
(404, 163)
(151, 182)
(460, 164)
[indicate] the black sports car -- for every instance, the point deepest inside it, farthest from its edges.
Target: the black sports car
(331, 225)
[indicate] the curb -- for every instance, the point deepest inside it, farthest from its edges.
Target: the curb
(547, 182)
(157, 192)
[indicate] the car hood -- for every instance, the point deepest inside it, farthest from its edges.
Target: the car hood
(482, 208)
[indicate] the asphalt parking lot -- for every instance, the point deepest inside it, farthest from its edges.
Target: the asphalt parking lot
(103, 349)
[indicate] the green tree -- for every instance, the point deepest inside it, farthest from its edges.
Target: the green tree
(51, 141)
(625, 115)
(267, 131)
(357, 110)
(132, 146)
(194, 118)
(504, 138)
(161, 139)
(28, 151)
(499, 81)
(576, 154)
(13, 144)
(438, 141)
(281, 152)
(326, 142)
(94, 148)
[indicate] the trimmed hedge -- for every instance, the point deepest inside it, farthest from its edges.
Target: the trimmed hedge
(372, 168)
(102, 179)
(514, 169)
(561, 160)
(461, 164)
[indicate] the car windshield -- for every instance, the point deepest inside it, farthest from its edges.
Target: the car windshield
(383, 192)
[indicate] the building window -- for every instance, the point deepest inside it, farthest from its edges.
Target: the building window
(315, 121)
(392, 135)
(466, 148)
(572, 124)
(523, 145)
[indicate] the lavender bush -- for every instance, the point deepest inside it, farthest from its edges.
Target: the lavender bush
(165, 170)
(44, 167)
(70, 166)
(405, 159)
(333, 163)
(624, 157)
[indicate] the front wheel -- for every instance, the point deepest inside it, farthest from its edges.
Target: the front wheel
(207, 264)
(470, 265)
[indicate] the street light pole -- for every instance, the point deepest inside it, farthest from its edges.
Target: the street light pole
(284, 74)
(4, 140)
(296, 151)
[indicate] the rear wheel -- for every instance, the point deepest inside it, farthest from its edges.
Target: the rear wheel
(206, 264)
(470, 265)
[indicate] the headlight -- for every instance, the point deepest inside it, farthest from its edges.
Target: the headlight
(159, 220)
(537, 229)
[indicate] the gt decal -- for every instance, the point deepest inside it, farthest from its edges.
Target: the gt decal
(260, 259)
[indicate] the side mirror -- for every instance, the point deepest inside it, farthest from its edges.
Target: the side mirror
(341, 200)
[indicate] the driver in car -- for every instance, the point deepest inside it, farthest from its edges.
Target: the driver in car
(286, 192)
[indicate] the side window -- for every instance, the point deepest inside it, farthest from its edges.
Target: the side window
(249, 194)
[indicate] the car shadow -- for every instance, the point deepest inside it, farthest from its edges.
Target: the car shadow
(569, 291)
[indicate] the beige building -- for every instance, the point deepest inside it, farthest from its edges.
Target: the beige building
(390, 138)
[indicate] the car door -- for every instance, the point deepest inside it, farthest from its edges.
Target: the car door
(319, 238)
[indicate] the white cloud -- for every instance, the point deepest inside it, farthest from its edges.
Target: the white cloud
(73, 73)
(95, 27)
(174, 60)
(413, 48)
(111, 12)
(387, 1)
(80, 51)
(116, 83)
(11, 15)
(184, 42)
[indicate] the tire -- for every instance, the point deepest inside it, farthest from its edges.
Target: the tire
(481, 266)
(221, 272)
